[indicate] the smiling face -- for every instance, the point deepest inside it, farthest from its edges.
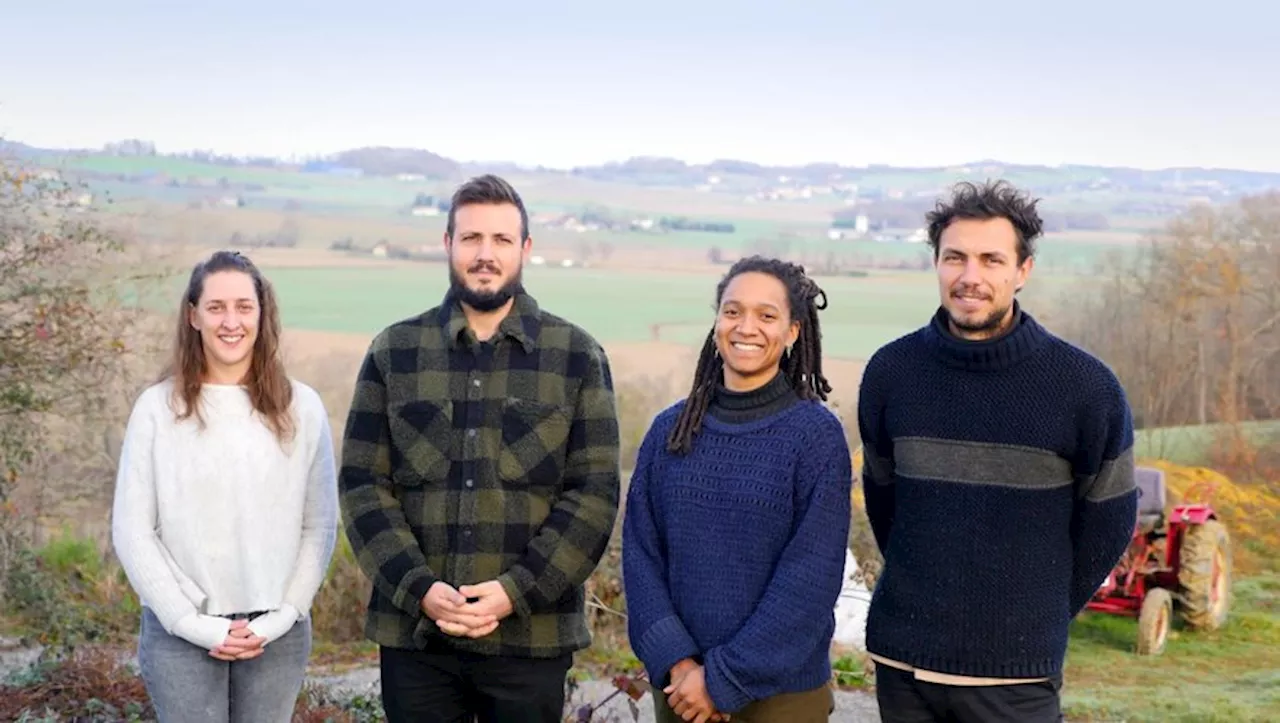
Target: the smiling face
(486, 254)
(753, 327)
(226, 315)
(978, 275)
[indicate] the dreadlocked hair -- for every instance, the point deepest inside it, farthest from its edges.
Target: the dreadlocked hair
(802, 365)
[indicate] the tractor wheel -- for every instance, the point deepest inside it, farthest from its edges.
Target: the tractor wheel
(1204, 575)
(1153, 621)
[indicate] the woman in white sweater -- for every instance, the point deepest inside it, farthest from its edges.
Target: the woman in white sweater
(225, 513)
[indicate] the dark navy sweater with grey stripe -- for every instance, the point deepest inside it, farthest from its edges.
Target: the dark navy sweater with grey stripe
(999, 484)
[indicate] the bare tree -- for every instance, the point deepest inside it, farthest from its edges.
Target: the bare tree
(69, 299)
(1191, 323)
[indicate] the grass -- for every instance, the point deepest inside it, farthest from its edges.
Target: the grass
(615, 306)
(1197, 444)
(1230, 675)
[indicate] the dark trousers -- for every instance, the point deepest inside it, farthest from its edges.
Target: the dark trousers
(904, 699)
(443, 686)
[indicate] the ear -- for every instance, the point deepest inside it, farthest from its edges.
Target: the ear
(1024, 272)
(793, 333)
(191, 317)
(527, 247)
(444, 239)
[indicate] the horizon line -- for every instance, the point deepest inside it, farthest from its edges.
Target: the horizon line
(317, 156)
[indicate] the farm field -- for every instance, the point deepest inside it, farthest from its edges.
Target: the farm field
(323, 292)
(616, 306)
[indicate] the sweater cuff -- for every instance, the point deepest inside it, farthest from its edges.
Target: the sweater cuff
(726, 694)
(664, 644)
(275, 623)
(206, 631)
(519, 603)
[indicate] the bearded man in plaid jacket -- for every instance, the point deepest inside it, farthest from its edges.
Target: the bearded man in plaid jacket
(479, 483)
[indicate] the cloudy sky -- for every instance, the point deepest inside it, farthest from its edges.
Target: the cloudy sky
(1125, 82)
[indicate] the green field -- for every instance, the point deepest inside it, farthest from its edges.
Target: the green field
(1224, 676)
(615, 306)
(1194, 445)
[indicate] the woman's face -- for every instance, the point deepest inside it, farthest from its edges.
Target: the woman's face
(227, 317)
(753, 327)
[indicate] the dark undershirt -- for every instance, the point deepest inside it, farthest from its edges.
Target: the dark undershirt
(738, 407)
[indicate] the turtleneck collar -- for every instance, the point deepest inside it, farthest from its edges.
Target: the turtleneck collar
(731, 406)
(1024, 339)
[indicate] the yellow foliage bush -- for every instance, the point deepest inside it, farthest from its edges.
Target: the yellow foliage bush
(1250, 512)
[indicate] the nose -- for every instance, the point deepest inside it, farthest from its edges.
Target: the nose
(484, 250)
(971, 274)
(231, 319)
(747, 325)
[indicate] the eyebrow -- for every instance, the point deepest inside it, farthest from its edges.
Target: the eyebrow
(958, 252)
(765, 304)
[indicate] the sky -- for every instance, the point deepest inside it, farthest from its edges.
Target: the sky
(562, 84)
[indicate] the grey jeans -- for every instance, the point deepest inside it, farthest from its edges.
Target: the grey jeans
(186, 684)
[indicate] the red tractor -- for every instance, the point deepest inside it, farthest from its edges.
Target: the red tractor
(1182, 562)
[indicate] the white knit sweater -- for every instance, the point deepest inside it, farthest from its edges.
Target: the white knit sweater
(208, 522)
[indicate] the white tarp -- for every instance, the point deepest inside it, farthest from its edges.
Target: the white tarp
(851, 608)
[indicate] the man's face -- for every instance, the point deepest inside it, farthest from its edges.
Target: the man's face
(486, 254)
(978, 274)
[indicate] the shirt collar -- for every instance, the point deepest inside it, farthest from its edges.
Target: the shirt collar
(522, 323)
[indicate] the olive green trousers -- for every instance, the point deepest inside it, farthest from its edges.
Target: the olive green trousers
(810, 706)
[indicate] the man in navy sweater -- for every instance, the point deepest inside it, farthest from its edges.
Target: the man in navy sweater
(999, 482)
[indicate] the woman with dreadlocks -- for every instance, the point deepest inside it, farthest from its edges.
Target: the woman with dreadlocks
(737, 516)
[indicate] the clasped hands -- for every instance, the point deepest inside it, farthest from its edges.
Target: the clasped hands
(241, 643)
(449, 608)
(687, 694)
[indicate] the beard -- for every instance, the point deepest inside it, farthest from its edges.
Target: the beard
(990, 322)
(484, 300)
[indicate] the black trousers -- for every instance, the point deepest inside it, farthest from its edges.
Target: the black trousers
(904, 699)
(445, 686)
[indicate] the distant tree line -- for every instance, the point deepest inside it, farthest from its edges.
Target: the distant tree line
(286, 236)
(671, 223)
(383, 161)
(427, 200)
(911, 214)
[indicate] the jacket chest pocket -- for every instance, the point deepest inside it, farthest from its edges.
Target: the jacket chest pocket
(422, 435)
(534, 440)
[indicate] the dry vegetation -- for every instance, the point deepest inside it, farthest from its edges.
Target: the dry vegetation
(1192, 324)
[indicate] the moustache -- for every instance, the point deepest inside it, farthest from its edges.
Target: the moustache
(969, 291)
(483, 266)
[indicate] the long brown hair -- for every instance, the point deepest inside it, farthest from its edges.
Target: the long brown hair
(270, 390)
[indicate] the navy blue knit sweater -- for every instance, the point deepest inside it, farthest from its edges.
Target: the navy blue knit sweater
(999, 484)
(733, 555)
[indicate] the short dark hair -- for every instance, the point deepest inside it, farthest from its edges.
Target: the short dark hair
(487, 189)
(802, 367)
(993, 199)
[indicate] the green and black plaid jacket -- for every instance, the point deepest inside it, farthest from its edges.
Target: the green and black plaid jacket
(468, 462)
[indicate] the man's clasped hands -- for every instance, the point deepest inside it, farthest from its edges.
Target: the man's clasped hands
(449, 608)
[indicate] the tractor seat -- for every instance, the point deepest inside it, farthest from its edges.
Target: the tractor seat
(1151, 498)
